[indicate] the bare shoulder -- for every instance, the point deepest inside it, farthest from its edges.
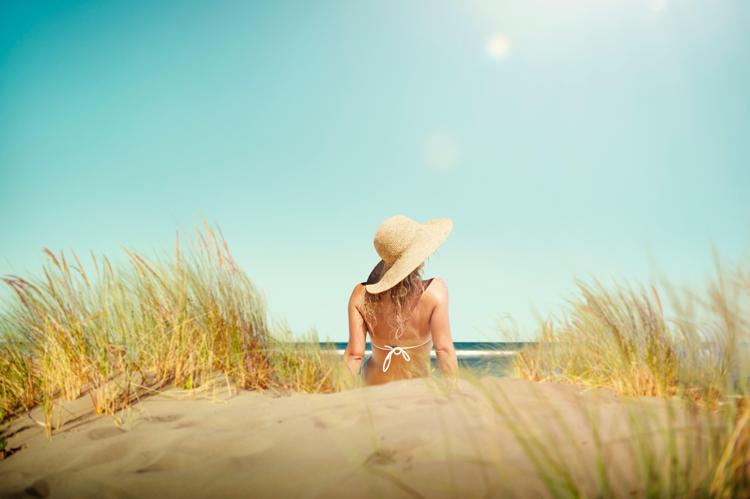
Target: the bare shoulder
(358, 294)
(438, 289)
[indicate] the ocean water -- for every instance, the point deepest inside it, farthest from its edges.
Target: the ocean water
(485, 357)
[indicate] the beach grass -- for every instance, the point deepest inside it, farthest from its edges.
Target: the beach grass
(119, 333)
(304, 365)
(621, 339)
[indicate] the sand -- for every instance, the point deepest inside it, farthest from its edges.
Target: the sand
(403, 439)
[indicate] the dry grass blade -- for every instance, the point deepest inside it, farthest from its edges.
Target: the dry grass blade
(150, 323)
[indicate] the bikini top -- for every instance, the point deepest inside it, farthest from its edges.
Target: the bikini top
(402, 351)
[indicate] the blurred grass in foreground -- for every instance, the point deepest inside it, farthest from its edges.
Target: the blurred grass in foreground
(620, 339)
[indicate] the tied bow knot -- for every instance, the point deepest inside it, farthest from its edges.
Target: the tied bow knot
(402, 351)
(394, 351)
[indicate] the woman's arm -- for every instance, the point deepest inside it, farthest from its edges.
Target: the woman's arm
(355, 349)
(441, 331)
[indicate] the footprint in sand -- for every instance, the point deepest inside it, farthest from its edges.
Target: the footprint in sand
(104, 452)
(401, 451)
(39, 488)
(102, 433)
(185, 424)
(251, 453)
(382, 457)
(167, 418)
(171, 461)
(333, 420)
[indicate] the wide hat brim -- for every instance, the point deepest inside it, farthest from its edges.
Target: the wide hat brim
(429, 237)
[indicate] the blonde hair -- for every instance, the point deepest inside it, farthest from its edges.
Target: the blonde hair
(401, 295)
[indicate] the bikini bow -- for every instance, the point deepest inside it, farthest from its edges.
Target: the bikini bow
(394, 351)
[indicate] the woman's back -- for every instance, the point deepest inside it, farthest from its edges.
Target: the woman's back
(407, 355)
(416, 338)
(404, 315)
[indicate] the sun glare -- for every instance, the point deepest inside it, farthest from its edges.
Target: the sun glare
(498, 46)
(658, 5)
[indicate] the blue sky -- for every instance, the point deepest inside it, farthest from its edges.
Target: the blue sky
(565, 139)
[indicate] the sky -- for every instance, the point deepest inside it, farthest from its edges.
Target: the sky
(566, 139)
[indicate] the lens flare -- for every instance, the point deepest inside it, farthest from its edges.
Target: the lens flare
(658, 5)
(498, 46)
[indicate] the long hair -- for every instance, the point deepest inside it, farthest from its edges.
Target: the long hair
(401, 296)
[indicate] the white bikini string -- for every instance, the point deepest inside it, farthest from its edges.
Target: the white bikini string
(402, 351)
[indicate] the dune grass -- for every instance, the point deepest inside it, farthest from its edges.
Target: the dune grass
(620, 338)
(303, 365)
(119, 332)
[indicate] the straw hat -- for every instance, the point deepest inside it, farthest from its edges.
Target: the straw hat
(403, 245)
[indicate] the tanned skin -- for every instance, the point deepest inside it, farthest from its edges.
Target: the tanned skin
(429, 319)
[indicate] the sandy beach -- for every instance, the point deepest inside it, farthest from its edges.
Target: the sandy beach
(404, 439)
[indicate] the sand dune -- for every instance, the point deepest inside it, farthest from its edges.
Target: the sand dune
(403, 439)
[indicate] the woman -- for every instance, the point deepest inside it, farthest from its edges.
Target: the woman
(404, 314)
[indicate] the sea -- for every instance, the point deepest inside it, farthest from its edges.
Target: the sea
(493, 358)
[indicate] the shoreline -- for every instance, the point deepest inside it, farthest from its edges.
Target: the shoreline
(460, 354)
